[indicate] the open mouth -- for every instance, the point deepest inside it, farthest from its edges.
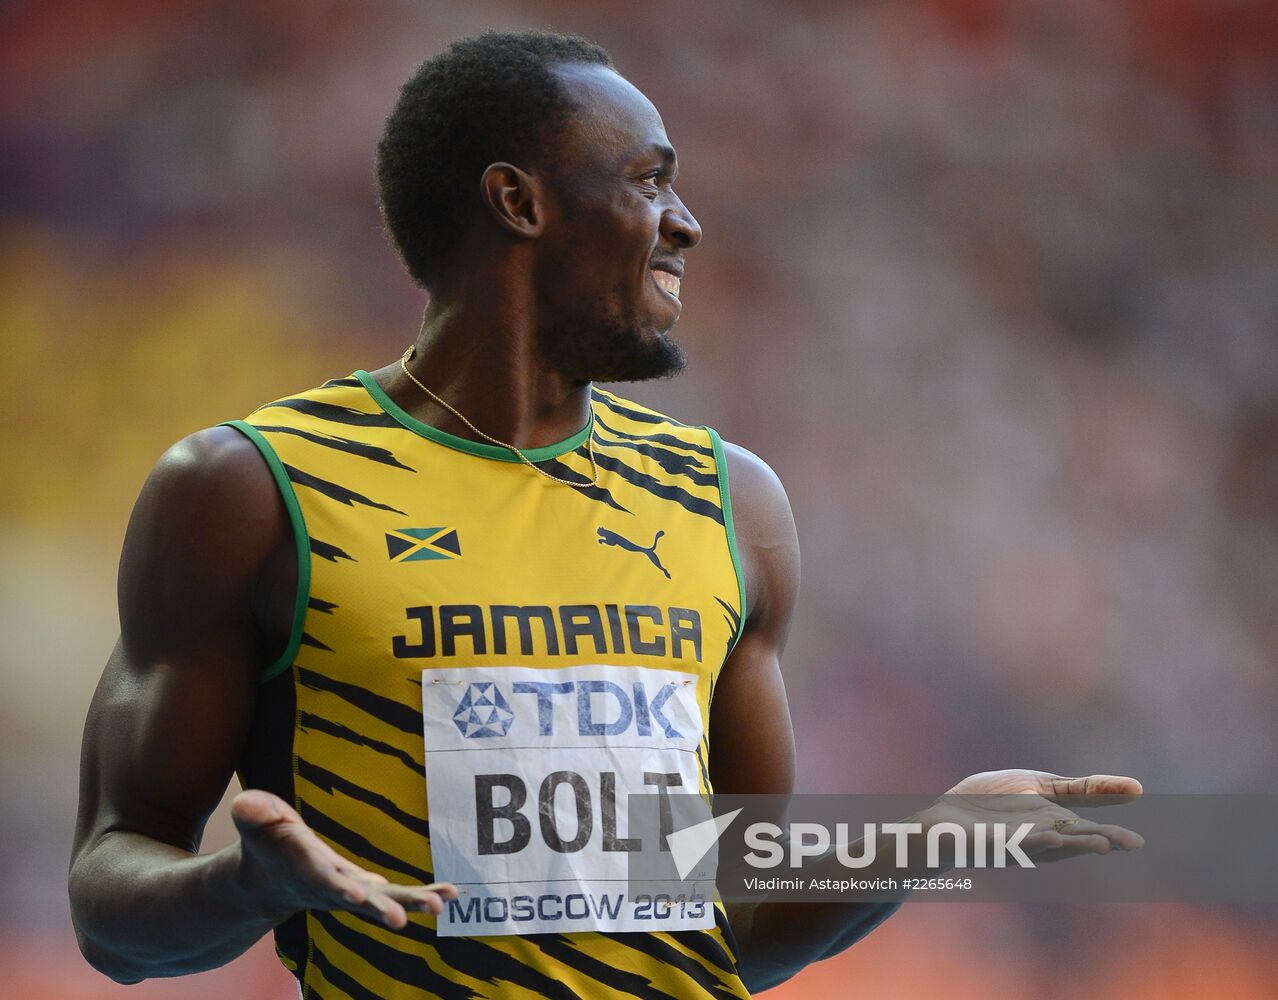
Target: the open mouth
(667, 282)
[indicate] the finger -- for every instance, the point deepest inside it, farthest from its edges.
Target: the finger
(1087, 843)
(423, 898)
(369, 898)
(332, 868)
(341, 878)
(1072, 847)
(359, 887)
(1094, 789)
(421, 901)
(1042, 841)
(352, 890)
(253, 809)
(445, 889)
(387, 910)
(1059, 854)
(368, 881)
(1121, 837)
(1069, 824)
(442, 890)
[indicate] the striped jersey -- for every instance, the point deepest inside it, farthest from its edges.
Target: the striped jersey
(483, 663)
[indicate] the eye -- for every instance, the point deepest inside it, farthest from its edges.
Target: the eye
(651, 181)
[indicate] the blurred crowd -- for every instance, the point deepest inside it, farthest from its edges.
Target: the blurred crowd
(992, 285)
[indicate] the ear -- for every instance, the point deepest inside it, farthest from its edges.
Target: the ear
(514, 198)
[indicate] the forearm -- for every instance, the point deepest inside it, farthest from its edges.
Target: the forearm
(143, 908)
(776, 940)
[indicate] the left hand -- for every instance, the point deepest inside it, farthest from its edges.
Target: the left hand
(1014, 797)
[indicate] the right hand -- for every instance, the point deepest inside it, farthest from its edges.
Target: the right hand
(286, 865)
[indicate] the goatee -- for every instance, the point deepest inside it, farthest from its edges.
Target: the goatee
(609, 350)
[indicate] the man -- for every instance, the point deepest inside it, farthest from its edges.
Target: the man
(361, 595)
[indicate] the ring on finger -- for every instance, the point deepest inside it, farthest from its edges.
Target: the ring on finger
(1061, 825)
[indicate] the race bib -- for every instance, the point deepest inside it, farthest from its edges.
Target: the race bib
(528, 776)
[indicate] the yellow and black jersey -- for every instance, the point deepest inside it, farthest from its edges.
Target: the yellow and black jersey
(425, 559)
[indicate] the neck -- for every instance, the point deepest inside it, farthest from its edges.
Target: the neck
(478, 352)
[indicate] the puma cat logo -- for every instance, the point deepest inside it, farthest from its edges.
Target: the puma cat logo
(607, 537)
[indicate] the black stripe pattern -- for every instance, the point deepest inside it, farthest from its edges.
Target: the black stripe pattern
(335, 491)
(334, 975)
(308, 720)
(639, 416)
(372, 452)
(656, 438)
(474, 958)
(329, 551)
(336, 414)
(331, 783)
(411, 970)
(733, 617)
(559, 948)
(671, 462)
(690, 503)
(395, 714)
(356, 846)
(653, 947)
(560, 471)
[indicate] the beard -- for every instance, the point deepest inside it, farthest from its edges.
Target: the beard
(602, 345)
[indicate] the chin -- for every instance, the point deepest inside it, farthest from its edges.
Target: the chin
(657, 356)
(608, 347)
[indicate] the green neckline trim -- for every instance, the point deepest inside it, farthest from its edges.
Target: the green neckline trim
(725, 501)
(301, 540)
(478, 448)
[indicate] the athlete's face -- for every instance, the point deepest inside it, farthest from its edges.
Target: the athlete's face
(612, 252)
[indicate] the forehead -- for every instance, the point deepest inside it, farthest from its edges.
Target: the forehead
(614, 120)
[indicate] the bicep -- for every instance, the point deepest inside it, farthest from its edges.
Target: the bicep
(160, 745)
(751, 736)
(751, 739)
(175, 702)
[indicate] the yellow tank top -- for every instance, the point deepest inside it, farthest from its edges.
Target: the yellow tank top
(537, 623)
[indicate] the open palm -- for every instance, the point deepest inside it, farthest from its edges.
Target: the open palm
(1014, 797)
(291, 868)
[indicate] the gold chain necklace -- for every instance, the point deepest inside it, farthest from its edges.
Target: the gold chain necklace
(590, 437)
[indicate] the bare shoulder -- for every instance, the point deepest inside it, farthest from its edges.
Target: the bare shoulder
(759, 501)
(215, 479)
(221, 459)
(766, 535)
(206, 524)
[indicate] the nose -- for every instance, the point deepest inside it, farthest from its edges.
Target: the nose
(679, 226)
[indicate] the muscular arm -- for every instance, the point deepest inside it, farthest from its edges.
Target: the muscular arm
(751, 739)
(203, 608)
(750, 735)
(170, 717)
(752, 752)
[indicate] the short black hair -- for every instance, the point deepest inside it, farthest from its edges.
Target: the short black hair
(485, 99)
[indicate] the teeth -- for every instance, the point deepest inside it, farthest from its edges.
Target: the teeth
(667, 282)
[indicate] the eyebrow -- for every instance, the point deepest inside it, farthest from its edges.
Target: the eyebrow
(665, 153)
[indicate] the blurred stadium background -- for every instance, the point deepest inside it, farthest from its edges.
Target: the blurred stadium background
(993, 285)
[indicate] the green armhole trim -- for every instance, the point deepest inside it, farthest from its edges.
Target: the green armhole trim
(493, 451)
(725, 501)
(301, 540)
